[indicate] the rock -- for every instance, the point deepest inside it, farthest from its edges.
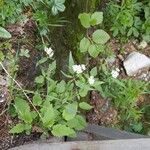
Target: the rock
(135, 62)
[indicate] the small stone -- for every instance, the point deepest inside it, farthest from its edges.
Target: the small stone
(135, 62)
(120, 57)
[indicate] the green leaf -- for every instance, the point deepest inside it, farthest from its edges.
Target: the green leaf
(84, 45)
(37, 100)
(100, 36)
(54, 10)
(98, 16)
(130, 32)
(23, 110)
(41, 61)
(27, 2)
(78, 123)
(60, 130)
(100, 48)
(97, 85)
(135, 32)
(85, 19)
(70, 111)
(93, 51)
(19, 128)
(24, 53)
(61, 87)
(4, 33)
(115, 32)
(58, 6)
(48, 114)
(137, 127)
(85, 106)
(71, 62)
(146, 37)
(83, 92)
(39, 79)
(1, 56)
(93, 72)
(84, 88)
(51, 67)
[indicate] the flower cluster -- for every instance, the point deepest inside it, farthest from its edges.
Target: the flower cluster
(78, 68)
(115, 73)
(91, 80)
(49, 51)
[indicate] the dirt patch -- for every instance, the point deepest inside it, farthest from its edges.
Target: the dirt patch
(102, 113)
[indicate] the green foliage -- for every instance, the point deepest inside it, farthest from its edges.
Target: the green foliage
(84, 44)
(85, 106)
(57, 5)
(4, 33)
(23, 110)
(58, 106)
(62, 130)
(25, 53)
(70, 111)
(48, 114)
(1, 56)
(126, 19)
(100, 37)
(95, 44)
(19, 128)
(124, 95)
(88, 19)
(78, 123)
(37, 100)
(146, 24)
(39, 79)
(44, 13)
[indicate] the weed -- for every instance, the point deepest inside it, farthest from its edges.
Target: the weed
(125, 18)
(93, 44)
(124, 95)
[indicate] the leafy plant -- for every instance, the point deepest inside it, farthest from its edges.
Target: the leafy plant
(95, 44)
(43, 12)
(56, 109)
(124, 19)
(124, 95)
(146, 24)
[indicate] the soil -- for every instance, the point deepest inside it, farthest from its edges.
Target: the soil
(103, 113)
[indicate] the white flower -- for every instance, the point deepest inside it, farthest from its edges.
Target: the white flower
(78, 68)
(83, 67)
(91, 80)
(49, 51)
(117, 69)
(115, 73)
(142, 45)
